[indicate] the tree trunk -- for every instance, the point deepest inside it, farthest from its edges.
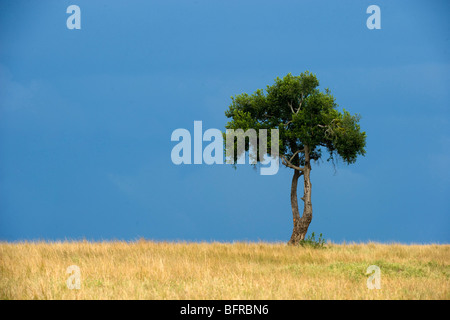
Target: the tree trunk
(301, 224)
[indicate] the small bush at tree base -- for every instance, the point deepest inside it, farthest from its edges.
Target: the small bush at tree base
(311, 241)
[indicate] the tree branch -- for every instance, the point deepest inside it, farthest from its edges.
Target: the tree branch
(287, 163)
(330, 129)
(290, 160)
(290, 105)
(300, 103)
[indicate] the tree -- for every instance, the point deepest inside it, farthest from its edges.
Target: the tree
(309, 126)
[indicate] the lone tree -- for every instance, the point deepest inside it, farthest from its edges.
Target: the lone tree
(309, 125)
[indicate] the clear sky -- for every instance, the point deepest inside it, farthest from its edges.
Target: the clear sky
(86, 118)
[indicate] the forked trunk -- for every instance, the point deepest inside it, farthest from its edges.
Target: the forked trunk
(301, 224)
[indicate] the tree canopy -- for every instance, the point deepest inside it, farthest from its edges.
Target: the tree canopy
(307, 118)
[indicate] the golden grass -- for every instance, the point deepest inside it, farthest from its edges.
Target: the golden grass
(162, 270)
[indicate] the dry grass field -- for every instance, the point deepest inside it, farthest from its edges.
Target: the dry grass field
(162, 270)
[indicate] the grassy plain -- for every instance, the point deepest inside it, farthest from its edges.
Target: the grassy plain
(168, 270)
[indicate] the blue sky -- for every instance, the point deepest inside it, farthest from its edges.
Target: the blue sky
(86, 118)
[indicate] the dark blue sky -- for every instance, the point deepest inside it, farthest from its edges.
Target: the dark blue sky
(86, 118)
